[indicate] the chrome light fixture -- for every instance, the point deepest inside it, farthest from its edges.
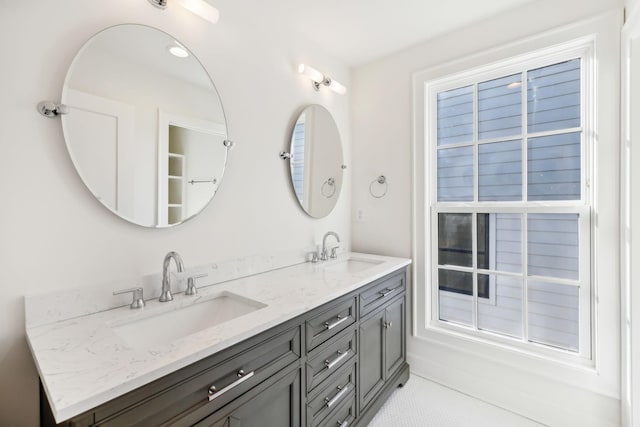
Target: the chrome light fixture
(317, 79)
(198, 7)
(160, 4)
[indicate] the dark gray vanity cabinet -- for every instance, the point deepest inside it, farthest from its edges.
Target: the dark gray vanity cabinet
(382, 347)
(274, 403)
(382, 331)
(332, 366)
(197, 391)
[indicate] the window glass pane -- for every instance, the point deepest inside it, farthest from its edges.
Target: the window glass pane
(454, 239)
(452, 303)
(503, 312)
(500, 171)
(508, 253)
(553, 314)
(500, 107)
(552, 245)
(499, 242)
(554, 167)
(455, 116)
(455, 174)
(553, 97)
(484, 241)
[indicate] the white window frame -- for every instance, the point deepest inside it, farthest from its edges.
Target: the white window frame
(583, 49)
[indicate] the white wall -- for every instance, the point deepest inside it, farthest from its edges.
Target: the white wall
(382, 94)
(54, 234)
(630, 227)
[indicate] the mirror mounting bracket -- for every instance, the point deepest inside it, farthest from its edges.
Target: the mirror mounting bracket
(51, 109)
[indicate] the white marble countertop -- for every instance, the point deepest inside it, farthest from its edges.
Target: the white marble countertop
(83, 363)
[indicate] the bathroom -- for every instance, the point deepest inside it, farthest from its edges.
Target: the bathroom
(56, 236)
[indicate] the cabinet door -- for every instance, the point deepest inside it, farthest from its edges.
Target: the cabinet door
(394, 336)
(372, 365)
(276, 403)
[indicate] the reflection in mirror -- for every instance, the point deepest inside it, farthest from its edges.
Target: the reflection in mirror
(145, 127)
(316, 161)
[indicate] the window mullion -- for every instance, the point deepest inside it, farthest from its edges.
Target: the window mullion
(525, 135)
(525, 198)
(476, 131)
(476, 197)
(474, 254)
(525, 267)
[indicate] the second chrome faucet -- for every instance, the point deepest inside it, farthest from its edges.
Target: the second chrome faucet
(325, 252)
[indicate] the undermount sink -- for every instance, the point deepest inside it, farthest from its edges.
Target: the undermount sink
(167, 326)
(353, 265)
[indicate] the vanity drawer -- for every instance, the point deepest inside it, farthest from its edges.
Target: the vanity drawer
(343, 416)
(381, 292)
(331, 394)
(330, 322)
(330, 357)
(236, 374)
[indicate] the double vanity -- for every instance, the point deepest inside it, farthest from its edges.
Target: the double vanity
(318, 343)
(313, 344)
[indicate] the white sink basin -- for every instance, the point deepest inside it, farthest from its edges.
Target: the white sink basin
(167, 326)
(353, 265)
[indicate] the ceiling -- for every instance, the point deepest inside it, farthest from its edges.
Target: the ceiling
(360, 31)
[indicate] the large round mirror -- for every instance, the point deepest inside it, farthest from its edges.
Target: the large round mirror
(145, 126)
(316, 161)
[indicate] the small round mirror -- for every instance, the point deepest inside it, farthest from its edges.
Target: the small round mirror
(145, 127)
(316, 161)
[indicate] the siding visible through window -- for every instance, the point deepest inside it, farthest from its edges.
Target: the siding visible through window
(553, 97)
(500, 107)
(455, 116)
(297, 159)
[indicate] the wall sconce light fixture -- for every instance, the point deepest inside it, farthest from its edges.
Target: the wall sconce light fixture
(317, 79)
(160, 4)
(198, 7)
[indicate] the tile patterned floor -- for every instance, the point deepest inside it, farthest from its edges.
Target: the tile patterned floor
(423, 403)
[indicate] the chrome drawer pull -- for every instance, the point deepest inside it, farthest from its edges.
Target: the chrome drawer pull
(328, 326)
(344, 423)
(387, 291)
(213, 394)
(337, 397)
(337, 360)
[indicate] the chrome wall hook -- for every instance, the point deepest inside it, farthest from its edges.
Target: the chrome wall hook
(285, 155)
(51, 109)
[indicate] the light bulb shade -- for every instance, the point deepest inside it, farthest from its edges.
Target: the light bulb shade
(202, 9)
(311, 73)
(178, 51)
(337, 87)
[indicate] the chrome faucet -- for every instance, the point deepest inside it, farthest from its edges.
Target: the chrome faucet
(166, 296)
(325, 253)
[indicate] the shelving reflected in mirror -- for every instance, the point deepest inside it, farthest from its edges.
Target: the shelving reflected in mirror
(145, 127)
